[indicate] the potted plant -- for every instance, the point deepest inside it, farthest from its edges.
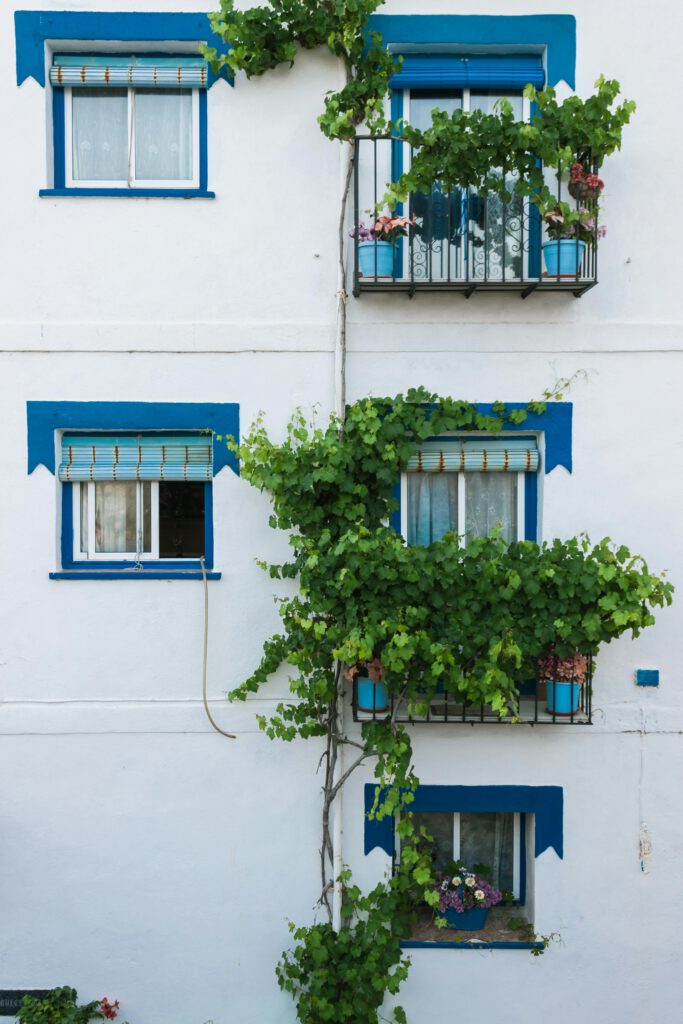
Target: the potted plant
(583, 185)
(464, 900)
(377, 244)
(371, 693)
(568, 231)
(563, 679)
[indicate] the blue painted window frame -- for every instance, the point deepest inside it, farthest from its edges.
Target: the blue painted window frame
(546, 803)
(44, 418)
(60, 190)
(556, 426)
(148, 565)
(530, 500)
(397, 108)
(552, 34)
(33, 28)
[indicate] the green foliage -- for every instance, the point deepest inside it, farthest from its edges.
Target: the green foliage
(58, 1007)
(344, 977)
(472, 618)
(471, 149)
(262, 38)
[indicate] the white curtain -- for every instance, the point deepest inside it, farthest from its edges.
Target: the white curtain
(432, 506)
(99, 134)
(163, 134)
(487, 839)
(491, 501)
(115, 516)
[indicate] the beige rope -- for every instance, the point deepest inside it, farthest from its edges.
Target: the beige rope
(206, 648)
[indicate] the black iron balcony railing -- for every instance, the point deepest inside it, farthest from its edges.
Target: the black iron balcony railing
(461, 240)
(563, 701)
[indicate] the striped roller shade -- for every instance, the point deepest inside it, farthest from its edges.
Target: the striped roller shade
(136, 457)
(118, 70)
(454, 71)
(476, 455)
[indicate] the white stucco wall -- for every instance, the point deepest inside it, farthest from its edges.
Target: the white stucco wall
(142, 855)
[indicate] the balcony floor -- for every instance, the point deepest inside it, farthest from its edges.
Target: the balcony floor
(468, 288)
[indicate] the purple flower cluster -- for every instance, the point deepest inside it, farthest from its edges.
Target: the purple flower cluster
(365, 234)
(465, 891)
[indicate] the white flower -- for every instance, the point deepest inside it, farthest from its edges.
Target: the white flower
(457, 881)
(470, 882)
(479, 895)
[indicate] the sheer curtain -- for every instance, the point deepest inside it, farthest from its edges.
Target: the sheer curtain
(491, 501)
(163, 134)
(487, 839)
(432, 506)
(99, 147)
(115, 516)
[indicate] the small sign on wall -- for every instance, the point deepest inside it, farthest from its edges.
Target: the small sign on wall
(10, 999)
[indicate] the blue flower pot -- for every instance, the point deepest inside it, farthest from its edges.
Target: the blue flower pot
(562, 698)
(468, 921)
(564, 257)
(376, 259)
(371, 696)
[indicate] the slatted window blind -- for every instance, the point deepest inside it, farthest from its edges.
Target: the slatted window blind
(476, 455)
(136, 457)
(101, 70)
(478, 71)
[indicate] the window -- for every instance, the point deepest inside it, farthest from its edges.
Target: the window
(453, 228)
(138, 519)
(129, 123)
(136, 498)
(490, 843)
(502, 829)
(470, 486)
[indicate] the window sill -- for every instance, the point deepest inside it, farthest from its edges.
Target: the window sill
(127, 193)
(134, 574)
(499, 932)
(471, 944)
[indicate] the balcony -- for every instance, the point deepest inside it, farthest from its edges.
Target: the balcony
(462, 241)
(540, 702)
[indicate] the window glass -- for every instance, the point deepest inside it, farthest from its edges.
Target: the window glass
(484, 840)
(432, 506)
(491, 501)
(115, 516)
(99, 134)
(181, 519)
(147, 516)
(485, 100)
(84, 518)
(423, 101)
(440, 827)
(163, 134)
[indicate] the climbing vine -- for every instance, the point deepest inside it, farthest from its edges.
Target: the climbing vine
(472, 618)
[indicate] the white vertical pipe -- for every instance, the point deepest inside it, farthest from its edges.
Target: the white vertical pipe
(340, 335)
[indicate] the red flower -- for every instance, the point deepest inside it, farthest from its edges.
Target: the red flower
(593, 181)
(109, 1009)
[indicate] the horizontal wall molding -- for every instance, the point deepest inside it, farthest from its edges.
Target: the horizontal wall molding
(186, 715)
(101, 717)
(507, 337)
